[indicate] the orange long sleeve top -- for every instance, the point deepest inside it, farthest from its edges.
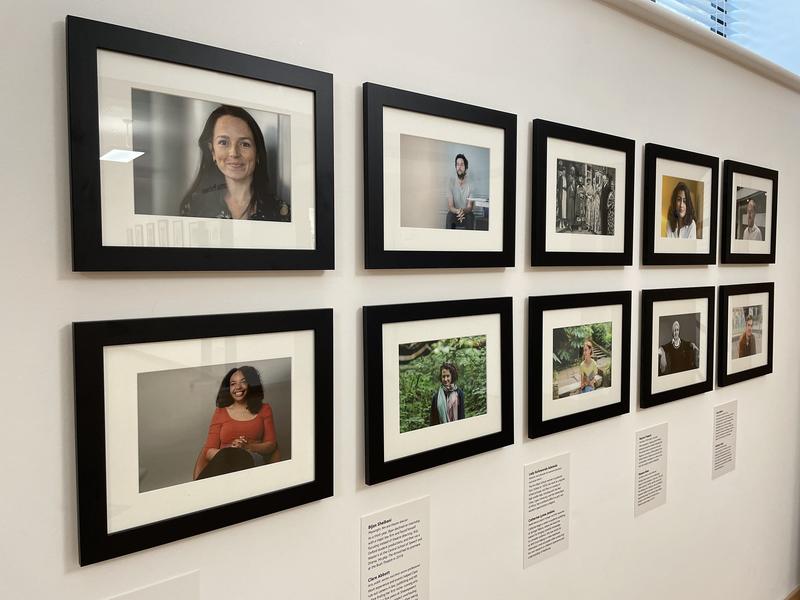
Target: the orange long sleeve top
(223, 429)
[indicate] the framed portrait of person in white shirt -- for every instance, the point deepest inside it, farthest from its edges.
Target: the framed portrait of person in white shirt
(439, 182)
(749, 213)
(680, 207)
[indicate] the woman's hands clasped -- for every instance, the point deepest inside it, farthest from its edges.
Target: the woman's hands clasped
(240, 442)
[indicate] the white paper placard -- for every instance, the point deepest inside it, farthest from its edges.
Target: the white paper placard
(395, 552)
(726, 418)
(650, 481)
(546, 512)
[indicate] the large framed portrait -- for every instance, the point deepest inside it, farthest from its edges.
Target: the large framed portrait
(749, 213)
(437, 383)
(746, 318)
(439, 182)
(582, 197)
(679, 226)
(189, 157)
(189, 424)
(677, 352)
(578, 360)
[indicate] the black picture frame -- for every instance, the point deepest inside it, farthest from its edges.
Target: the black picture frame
(647, 398)
(91, 339)
(543, 131)
(726, 292)
(537, 307)
(651, 220)
(89, 253)
(730, 255)
(376, 256)
(377, 468)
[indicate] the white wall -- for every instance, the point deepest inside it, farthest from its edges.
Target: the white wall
(575, 61)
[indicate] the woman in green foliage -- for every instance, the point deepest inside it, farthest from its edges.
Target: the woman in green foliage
(447, 403)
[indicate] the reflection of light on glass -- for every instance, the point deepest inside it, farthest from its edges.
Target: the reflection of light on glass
(121, 156)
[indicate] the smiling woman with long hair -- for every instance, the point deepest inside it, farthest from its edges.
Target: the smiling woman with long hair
(232, 182)
(242, 432)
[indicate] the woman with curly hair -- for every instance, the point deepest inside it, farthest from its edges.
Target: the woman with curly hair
(242, 432)
(447, 403)
(680, 219)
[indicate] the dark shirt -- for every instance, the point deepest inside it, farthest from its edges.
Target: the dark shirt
(680, 358)
(435, 409)
(211, 204)
(746, 349)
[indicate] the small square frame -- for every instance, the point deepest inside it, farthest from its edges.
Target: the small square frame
(726, 292)
(537, 307)
(650, 219)
(729, 255)
(647, 398)
(543, 131)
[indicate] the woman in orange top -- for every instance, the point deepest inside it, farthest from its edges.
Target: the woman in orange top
(242, 432)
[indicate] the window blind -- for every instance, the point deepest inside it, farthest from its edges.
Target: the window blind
(718, 15)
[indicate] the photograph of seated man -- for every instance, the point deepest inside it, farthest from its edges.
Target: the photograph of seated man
(459, 199)
(445, 184)
(679, 353)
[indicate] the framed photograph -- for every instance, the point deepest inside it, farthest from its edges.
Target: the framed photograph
(578, 360)
(677, 355)
(582, 197)
(437, 383)
(439, 181)
(189, 424)
(189, 157)
(749, 213)
(745, 332)
(679, 226)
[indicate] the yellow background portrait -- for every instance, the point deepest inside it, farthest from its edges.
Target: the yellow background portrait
(695, 188)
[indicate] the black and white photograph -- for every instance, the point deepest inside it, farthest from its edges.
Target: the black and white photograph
(749, 213)
(437, 383)
(585, 198)
(195, 149)
(188, 424)
(746, 324)
(578, 360)
(582, 197)
(440, 182)
(677, 344)
(678, 352)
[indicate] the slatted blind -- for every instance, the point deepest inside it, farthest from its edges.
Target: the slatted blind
(717, 15)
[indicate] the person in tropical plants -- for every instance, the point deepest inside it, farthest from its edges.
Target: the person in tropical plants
(590, 376)
(447, 402)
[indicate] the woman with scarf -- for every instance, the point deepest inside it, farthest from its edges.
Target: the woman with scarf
(447, 403)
